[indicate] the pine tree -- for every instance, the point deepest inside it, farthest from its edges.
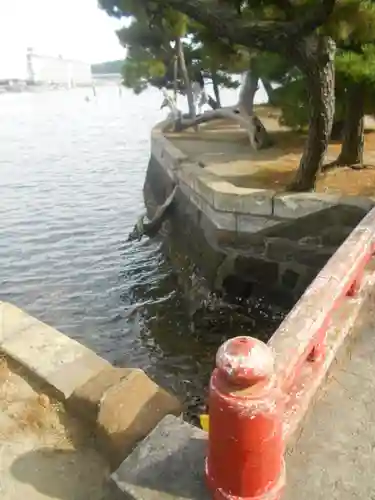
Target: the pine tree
(352, 26)
(288, 28)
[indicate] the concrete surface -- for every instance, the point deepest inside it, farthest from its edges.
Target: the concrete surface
(334, 456)
(44, 453)
(167, 465)
(57, 359)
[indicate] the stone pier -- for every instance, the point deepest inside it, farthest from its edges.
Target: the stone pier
(242, 239)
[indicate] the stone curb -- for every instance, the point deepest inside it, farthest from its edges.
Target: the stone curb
(223, 197)
(120, 405)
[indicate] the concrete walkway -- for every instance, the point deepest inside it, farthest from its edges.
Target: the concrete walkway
(334, 456)
(44, 453)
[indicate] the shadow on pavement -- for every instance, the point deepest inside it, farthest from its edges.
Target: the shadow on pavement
(62, 474)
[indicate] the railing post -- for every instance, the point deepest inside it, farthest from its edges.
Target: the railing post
(245, 440)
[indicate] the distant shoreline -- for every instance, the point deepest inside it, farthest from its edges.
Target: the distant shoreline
(22, 87)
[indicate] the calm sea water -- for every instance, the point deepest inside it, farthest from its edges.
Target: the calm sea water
(71, 176)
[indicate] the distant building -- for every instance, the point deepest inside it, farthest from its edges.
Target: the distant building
(36, 69)
(57, 70)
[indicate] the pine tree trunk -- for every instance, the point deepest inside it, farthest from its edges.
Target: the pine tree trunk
(216, 88)
(175, 78)
(337, 130)
(269, 91)
(247, 92)
(353, 137)
(316, 60)
(185, 76)
(258, 135)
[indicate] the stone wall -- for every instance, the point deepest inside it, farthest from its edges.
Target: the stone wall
(242, 240)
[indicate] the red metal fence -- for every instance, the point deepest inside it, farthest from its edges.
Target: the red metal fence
(257, 400)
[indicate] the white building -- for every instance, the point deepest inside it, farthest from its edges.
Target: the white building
(33, 68)
(56, 70)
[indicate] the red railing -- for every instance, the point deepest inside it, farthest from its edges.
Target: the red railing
(302, 353)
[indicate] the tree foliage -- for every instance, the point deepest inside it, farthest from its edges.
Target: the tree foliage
(283, 41)
(113, 67)
(352, 25)
(151, 41)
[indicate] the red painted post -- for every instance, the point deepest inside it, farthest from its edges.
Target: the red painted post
(245, 457)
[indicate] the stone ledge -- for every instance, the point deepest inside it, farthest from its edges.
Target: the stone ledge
(226, 220)
(60, 362)
(120, 405)
(296, 205)
(124, 405)
(224, 196)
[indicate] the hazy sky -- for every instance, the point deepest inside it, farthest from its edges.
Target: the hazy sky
(73, 28)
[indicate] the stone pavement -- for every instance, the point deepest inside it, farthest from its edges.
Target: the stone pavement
(334, 456)
(222, 147)
(44, 453)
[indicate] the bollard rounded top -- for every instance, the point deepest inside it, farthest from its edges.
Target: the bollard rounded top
(245, 360)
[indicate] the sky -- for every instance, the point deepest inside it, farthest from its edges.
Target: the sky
(72, 28)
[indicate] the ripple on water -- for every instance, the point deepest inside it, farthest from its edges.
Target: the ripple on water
(70, 190)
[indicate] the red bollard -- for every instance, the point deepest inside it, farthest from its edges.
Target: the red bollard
(245, 457)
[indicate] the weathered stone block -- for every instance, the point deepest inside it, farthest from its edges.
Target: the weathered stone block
(85, 400)
(292, 274)
(289, 279)
(215, 236)
(280, 249)
(295, 205)
(124, 411)
(230, 198)
(157, 186)
(13, 320)
(284, 250)
(187, 173)
(347, 215)
(257, 269)
(221, 220)
(194, 198)
(72, 375)
(165, 152)
(173, 156)
(167, 465)
(335, 235)
(253, 224)
(203, 186)
(360, 202)
(57, 360)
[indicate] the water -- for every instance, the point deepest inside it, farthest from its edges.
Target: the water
(70, 191)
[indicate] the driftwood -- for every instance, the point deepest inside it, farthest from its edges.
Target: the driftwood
(258, 129)
(242, 113)
(152, 227)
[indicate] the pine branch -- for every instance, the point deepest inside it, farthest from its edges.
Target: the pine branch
(226, 24)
